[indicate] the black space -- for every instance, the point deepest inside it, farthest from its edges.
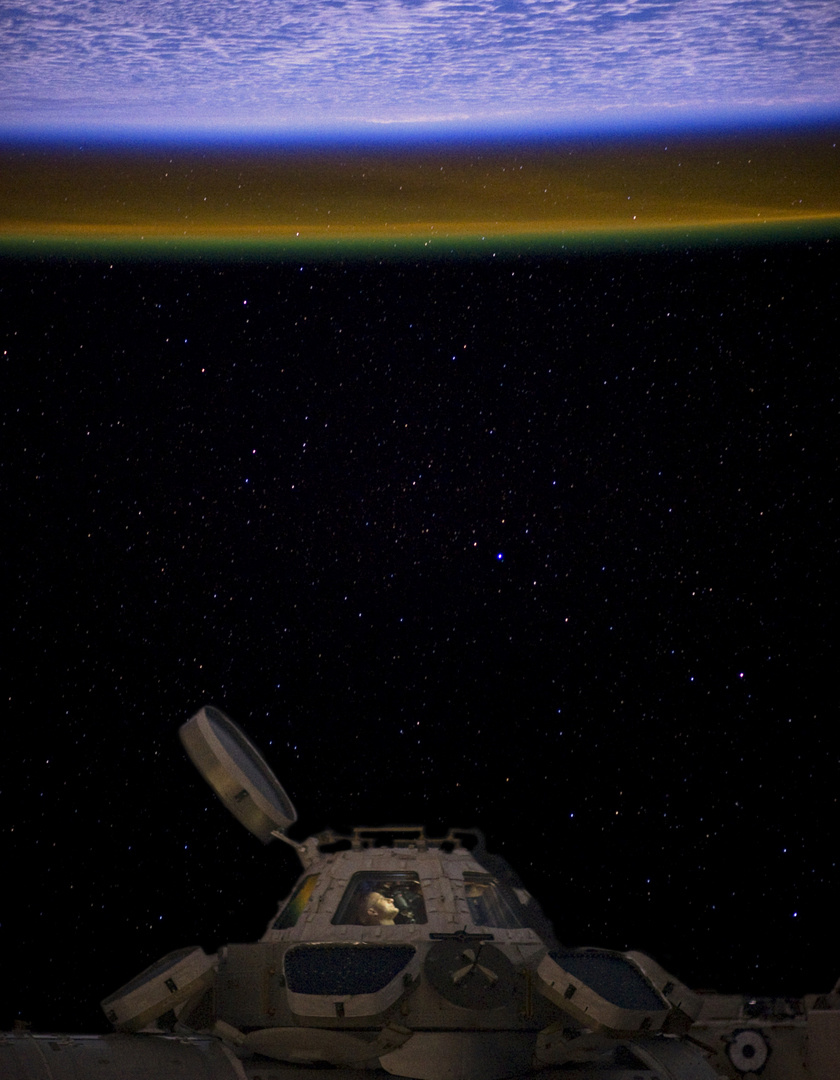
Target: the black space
(539, 544)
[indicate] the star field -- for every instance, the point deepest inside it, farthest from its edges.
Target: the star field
(538, 544)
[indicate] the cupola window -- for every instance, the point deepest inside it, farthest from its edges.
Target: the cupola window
(297, 902)
(376, 898)
(487, 904)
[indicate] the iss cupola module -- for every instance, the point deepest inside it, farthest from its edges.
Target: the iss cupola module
(420, 956)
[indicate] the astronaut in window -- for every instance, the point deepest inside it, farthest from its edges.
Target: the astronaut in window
(379, 910)
(382, 900)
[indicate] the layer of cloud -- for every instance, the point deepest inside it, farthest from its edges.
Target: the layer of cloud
(268, 62)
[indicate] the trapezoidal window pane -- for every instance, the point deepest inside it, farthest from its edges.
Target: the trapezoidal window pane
(487, 903)
(297, 902)
(376, 898)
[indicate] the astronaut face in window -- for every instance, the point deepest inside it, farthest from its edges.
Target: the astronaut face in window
(376, 898)
(381, 909)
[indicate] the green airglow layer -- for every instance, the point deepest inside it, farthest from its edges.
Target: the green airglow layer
(441, 247)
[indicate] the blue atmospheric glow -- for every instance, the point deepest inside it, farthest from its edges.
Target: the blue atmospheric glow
(358, 135)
